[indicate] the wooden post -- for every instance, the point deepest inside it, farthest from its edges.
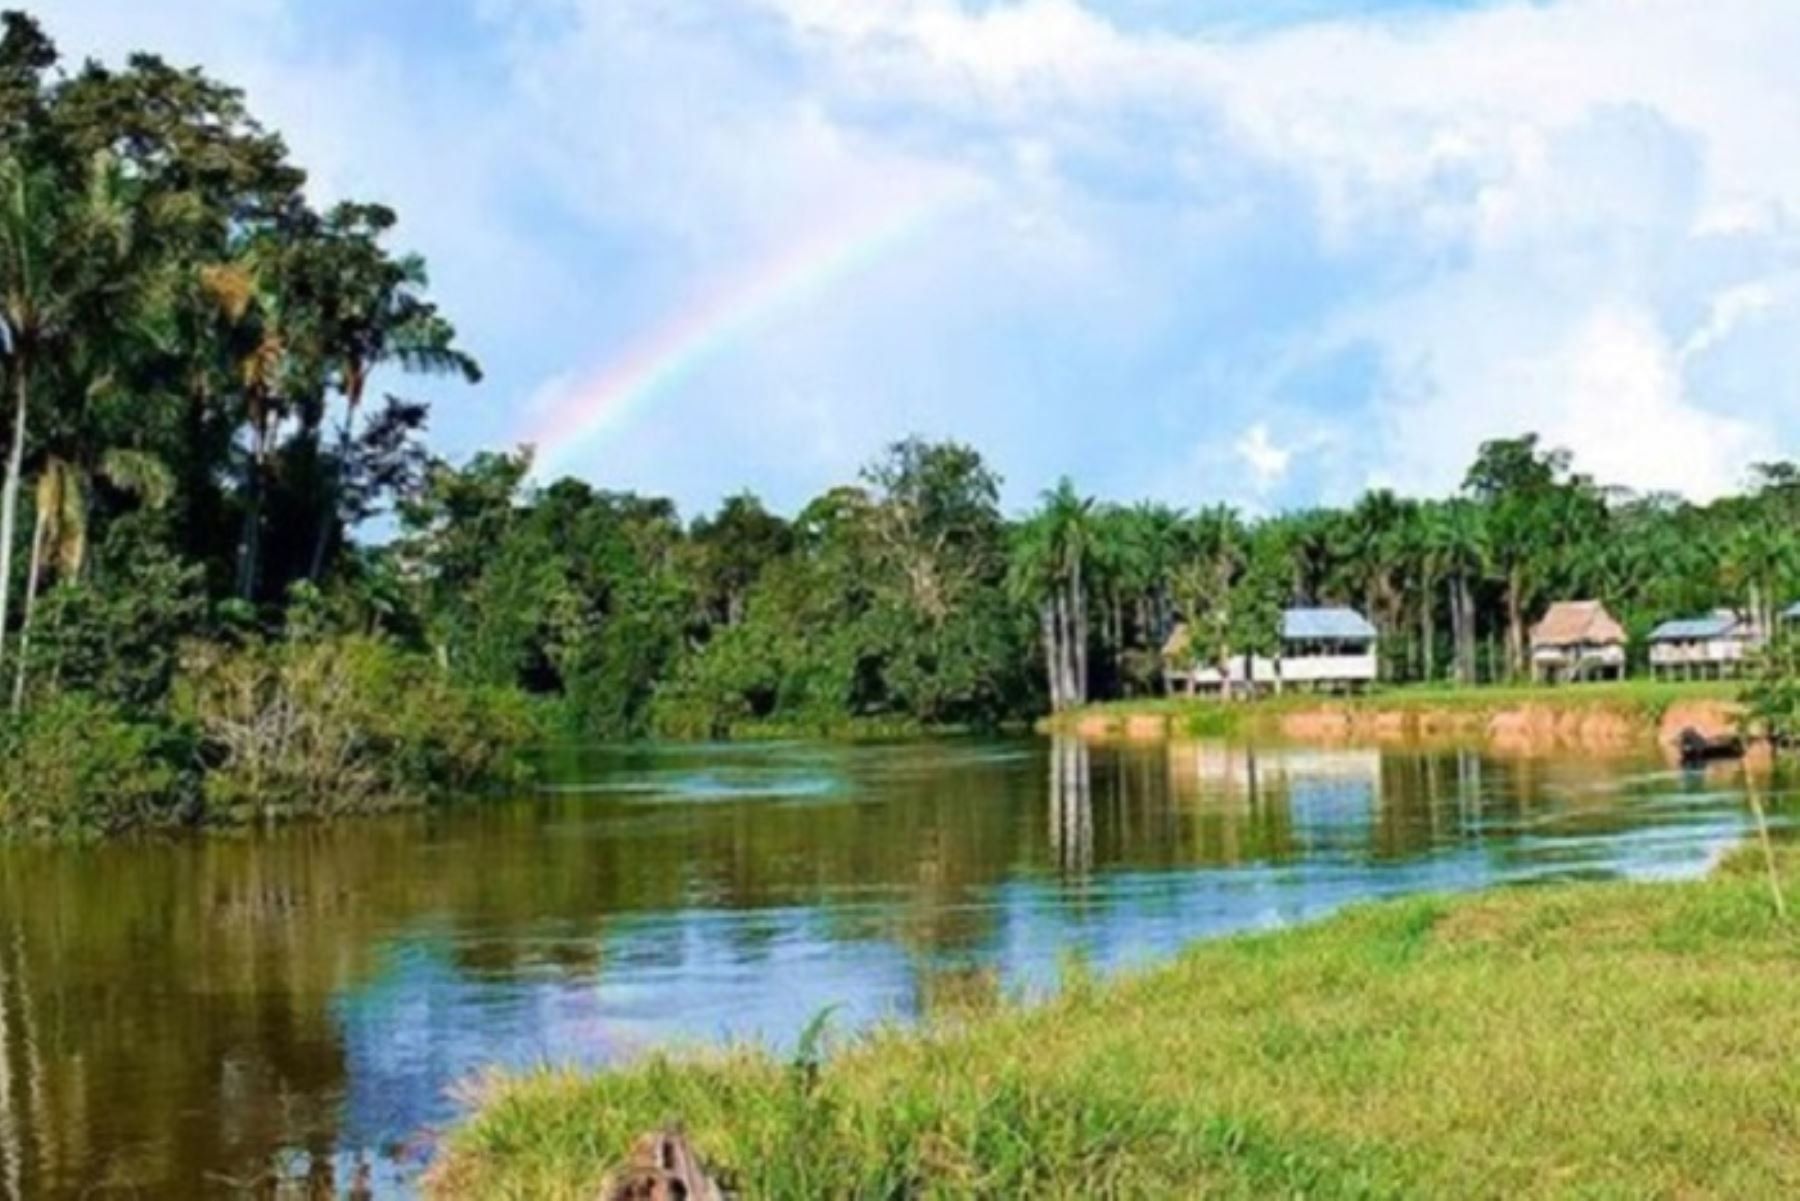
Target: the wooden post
(662, 1167)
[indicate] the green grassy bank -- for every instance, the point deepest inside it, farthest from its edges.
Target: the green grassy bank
(1608, 1040)
(1640, 701)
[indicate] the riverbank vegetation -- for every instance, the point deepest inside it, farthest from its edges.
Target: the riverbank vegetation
(1583, 1040)
(205, 383)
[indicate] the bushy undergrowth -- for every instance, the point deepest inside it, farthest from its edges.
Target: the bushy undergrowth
(76, 765)
(323, 727)
(264, 731)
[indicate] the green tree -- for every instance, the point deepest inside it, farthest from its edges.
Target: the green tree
(1050, 568)
(1518, 485)
(371, 312)
(56, 247)
(1461, 539)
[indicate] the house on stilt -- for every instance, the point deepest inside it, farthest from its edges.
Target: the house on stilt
(1322, 649)
(1714, 647)
(1577, 640)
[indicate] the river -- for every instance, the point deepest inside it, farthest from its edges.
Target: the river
(288, 1013)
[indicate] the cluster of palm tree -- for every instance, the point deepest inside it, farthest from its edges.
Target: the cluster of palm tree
(178, 331)
(1451, 585)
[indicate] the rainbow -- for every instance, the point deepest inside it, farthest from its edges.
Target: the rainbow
(675, 350)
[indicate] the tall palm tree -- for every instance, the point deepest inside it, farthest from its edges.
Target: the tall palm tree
(1760, 557)
(1426, 537)
(1378, 531)
(60, 528)
(1218, 549)
(374, 313)
(1462, 540)
(55, 244)
(1155, 532)
(262, 340)
(1049, 567)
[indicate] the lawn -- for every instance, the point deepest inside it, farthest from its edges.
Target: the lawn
(1590, 1040)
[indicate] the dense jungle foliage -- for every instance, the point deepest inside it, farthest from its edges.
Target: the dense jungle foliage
(198, 419)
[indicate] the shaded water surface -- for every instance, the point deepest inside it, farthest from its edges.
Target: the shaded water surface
(287, 1014)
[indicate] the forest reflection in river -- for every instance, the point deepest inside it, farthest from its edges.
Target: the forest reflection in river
(286, 1013)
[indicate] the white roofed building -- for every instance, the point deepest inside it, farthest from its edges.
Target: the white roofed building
(1328, 649)
(1711, 647)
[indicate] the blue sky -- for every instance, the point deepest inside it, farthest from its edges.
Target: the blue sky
(1263, 251)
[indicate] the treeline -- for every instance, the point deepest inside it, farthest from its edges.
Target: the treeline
(197, 418)
(910, 599)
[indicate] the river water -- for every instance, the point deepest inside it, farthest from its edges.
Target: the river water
(288, 1014)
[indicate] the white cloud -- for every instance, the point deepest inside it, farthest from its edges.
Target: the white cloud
(1268, 462)
(1548, 186)
(1625, 405)
(1738, 307)
(1576, 216)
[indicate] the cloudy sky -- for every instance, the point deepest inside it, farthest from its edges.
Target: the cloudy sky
(1265, 251)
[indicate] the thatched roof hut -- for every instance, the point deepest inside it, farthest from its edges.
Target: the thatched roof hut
(1577, 640)
(1577, 623)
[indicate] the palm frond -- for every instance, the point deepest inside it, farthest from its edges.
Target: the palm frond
(140, 473)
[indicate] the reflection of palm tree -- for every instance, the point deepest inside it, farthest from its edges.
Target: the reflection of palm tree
(23, 1108)
(1071, 806)
(12, 1146)
(1468, 789)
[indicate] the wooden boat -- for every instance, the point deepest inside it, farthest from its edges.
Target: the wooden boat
(1696, 747)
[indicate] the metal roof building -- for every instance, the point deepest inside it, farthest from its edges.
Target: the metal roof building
(1710, 647)
(1335, 624)
(1695, 629)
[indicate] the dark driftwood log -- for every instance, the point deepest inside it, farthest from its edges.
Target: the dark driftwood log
(663, 1167)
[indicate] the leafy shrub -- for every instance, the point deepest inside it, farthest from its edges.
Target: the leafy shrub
(1772, 690)
(79, 765)
(115, 634)
(328, 726)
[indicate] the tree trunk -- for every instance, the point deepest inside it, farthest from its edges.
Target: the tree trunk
(1079, 636)
(1065, 666)
(334, 500)
(250, 537)
(1459, 635)
(1071, 693)
(1048, 622)
(31, 593)
(1427, 631)
(1466, 598)
(1515, 625)
(9, 499)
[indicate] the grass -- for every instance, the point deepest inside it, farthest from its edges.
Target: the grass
(1639, 699)
(1594, 1040)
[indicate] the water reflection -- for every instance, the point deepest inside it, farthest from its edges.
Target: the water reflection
(1072, 806)
(283, 1015)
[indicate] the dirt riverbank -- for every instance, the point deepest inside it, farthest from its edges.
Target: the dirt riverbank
(1603, 719)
